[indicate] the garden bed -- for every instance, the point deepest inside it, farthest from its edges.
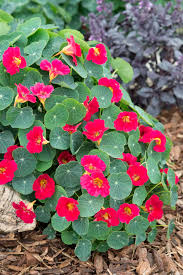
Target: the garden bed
(31, 253)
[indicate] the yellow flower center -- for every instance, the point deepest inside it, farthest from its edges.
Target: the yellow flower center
(2, 170)
(136, 177)
(70, 206)
(126, 119)
(96, 51)
(64, 161)
(43, 183)
(158, 141)
(111, 89)
(106, 216)
(98, 182)
(17, 61)
(97, 134)
(38, 141)
(127, 210)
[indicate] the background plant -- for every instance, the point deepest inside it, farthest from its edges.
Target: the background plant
(149, 37)
(60, 123)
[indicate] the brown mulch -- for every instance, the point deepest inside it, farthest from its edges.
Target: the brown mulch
(31, 253)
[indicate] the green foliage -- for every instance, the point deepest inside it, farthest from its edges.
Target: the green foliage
(65, 105)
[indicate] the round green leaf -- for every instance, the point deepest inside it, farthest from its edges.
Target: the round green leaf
(59, 223)
(6, 97)
(83, 250)
(30, 26)
(113, 144)
(139, 195)
(25, 161)
(93, 69)
(59, 139)
(43, 166)
(103, 95)
(81, 226)
(69, 237)
(85, 148)
(42, 214)
(110, 114)
(117, 166)
(67, 93)
(20, 117)
(24, 185)
(50, 232)
(102, 247)
(76, 140)
(76, 110)
(66, 81)
(98, 230)
(118, 239)
(68, 175)
(134, 145)
(52, 101)
(6, 140)
(47, 154)
(153, 171)
(56, 117)
(79, 69)
(83, 91)
(51, 203)
(152, 235)
(120, 186)
(115, 203)
(137, 225)
(140, 238)
(124, 69)
(89, 205)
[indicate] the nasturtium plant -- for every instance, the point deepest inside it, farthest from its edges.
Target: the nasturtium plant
(92, 164)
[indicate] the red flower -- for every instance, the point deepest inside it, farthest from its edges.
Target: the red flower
(73, 49)
(44, 187)
(10, 149)
(91, 108)
(154, 208)
(127, 212)
(71, 128)
(24, 212)
(114, 86)
(126, 121)
(65, 157)
(93, 163)
(108, 215)
(23, 95)
(7, 169)
(67, 207)
(138, 174)
(97, 55)
(145, 132)
(95, 129)
(56, 67)
(129, 158)
(42, 91)
(35, 140)
(96, 184)
(166, 172)
(13, 61)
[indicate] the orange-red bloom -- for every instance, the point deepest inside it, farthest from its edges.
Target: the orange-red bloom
(154, 208)
(24, 212)
(96, 184)
(129, 158)
(71, 128)
(65, 157)
(23, 95)
(42, 91)
(73, 49)
(13, 61)
(91, 108)
(138, 174)
(56, 67)
(95, 129)
(67, 207)
(93, 163)
(10, 149)
(7, 170)
(97, 54)
(114, 86)
(127, 212)
(35, 140)
(108, 215)
(44, 187)
(126, 121)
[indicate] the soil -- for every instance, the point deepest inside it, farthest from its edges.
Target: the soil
(30, 253)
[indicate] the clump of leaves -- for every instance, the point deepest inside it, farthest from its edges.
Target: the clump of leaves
(149, 36)
(92, 164)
